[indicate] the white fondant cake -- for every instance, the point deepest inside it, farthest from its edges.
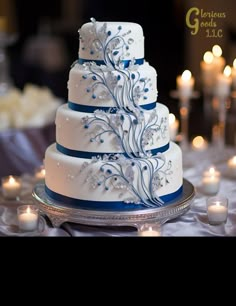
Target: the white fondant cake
(113, 149)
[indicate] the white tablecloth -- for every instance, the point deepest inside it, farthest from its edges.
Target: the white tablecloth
(193, 223)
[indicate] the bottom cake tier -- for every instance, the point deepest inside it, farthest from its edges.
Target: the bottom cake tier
(114, 183)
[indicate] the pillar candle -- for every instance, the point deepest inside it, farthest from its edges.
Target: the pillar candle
(185, 83)
(223, 83)
(233, 74)
(218, 60)
(207, 71)
(173, 126)
(231, 164)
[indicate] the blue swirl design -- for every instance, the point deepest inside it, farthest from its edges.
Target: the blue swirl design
(131, 134)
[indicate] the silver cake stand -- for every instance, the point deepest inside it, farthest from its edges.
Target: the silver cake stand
(58, 213)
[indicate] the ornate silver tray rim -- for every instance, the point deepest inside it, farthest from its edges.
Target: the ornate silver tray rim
(58, 213)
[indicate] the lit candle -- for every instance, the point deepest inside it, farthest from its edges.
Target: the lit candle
(173, 126)
(148, 230)
(27, 217)
(211, 181)
(217, 210)
(40, 174)
(207, 71)
(199, 143)
(233, 73)
(232, 166)
(185, 84)
(218, 60)
(223, 83)
(11, 187)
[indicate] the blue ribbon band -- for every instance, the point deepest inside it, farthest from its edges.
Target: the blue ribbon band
(138, 61)
(92, 109)
(89, 155)
(107, 205)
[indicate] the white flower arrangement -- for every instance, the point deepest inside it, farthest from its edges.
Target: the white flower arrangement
(33, 107)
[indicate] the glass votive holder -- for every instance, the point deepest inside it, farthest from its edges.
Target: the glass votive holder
(217, 210)
(150, 230)
(39, 174)
(211, 181)
(11, 187)
(28, 218)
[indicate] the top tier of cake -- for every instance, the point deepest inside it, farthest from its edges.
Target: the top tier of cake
(125, 39)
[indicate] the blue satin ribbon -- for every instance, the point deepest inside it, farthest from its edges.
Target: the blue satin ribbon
(92, 109)
(106, 206)
(126, 63)
(89, 155)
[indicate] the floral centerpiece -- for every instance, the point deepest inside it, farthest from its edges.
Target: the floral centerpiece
(34, 106)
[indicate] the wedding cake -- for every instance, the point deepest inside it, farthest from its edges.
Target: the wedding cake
(113, 150)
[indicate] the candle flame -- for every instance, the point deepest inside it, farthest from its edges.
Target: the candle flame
(212, 170)
(150, 229)
(43, 172)
(234, 63)
(217, 203)
(40, 172)
(198, 142)
(217, 51)
(186, 75)
(171, 118)
(28, 210)
(208, 57)
(11, 180)
(227, 71)
(234, 160)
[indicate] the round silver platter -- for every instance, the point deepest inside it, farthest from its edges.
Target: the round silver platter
(58, 213)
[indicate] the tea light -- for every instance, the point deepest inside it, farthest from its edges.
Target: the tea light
(199, 143)
(185, 84)
(39, 174)
(232, 166)
(11, 187)
(150, 230)
(217, 210)
(28, 217)
(173, 126)
(211, 181)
